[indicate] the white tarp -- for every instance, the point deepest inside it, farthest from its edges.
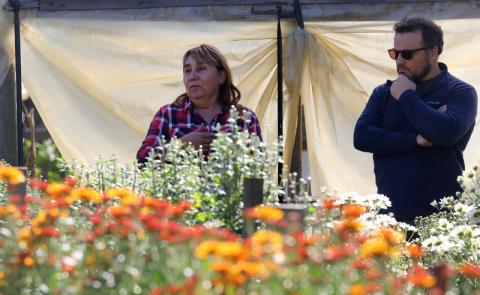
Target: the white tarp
(97, 82)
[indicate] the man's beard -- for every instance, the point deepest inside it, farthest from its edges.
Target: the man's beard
(425, 71)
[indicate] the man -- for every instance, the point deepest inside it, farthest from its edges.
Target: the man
(418, 125)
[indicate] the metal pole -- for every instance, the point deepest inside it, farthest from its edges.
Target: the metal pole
(18, 80)
(279, 88)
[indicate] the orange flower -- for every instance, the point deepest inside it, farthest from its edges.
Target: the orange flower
(56, 188)
(421, 277)
(329, 203)
(231, 250)
(265, 213)
(415, 251)
(353, 210)
(28, 261)
(393, 237)
(469, 270)
(348, 225)
(368, 288)
(376, 246)
(12, 175)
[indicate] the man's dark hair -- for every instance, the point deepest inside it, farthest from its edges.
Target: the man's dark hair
(432, 34)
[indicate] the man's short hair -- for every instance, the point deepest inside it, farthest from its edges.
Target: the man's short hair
(432, 33)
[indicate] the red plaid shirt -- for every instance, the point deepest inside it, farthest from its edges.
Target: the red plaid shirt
(176, 121)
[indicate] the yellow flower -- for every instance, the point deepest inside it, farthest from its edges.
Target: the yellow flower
(205, 248)
(120, 193)
(57, 188)
(374, 247)
(40, 218)
(266, 213)
(12, 175)
(87, 194)
(130, 200)
(141, 235)
(24, 234)
(232, 250)
(266, 242)
(90, 260)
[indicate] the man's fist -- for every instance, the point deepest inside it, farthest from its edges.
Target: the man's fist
(400, 85)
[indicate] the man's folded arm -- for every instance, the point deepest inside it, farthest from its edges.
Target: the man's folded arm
(370, 137)
(443, 128)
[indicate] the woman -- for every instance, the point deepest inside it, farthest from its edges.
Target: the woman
(209, 95)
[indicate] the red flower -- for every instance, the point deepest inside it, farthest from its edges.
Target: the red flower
(96, 219)
(336, 253)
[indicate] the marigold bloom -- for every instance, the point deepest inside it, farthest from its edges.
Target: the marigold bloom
(120, 193)
(232, 250)
(11, 175)
(348, 225)
(353, 210)
(265, 213)
(469, 270)
(56, 188)
(421, 277)
(368, 288)
(393, 237)
(28, 261)
(374, 247)
(266, 242)
(415, 251)
(329, 203)
(221, 266)
(40, 219)
(205, 248)
(86, 194)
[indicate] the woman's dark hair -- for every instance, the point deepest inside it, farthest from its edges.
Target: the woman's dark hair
(229, 95)
(432, 34)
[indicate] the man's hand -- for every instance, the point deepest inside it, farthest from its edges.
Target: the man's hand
(199, 136)
(421, 141)
(400, 85)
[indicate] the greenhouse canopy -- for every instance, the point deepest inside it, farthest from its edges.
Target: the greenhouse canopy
(97, 71)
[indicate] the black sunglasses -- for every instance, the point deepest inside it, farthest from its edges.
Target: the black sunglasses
(406, 54)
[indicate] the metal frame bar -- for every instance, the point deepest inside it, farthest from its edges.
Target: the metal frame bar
(16, 6)
(52, 5)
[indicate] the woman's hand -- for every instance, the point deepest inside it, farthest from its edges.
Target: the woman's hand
(200, 136)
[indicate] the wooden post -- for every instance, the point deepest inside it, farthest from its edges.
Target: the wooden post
(8, 120)
(296, 165)
(252, 196)
(294, 215)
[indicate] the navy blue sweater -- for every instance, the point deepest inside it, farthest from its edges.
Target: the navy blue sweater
(410, 175)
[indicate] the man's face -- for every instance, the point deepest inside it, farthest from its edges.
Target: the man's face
(420, 65)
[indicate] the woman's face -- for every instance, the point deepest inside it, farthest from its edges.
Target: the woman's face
(202, 81)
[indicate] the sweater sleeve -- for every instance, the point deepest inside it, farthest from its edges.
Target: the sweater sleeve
(369, 136)
(442, 128)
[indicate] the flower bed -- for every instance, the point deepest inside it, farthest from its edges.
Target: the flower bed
(71, 239)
